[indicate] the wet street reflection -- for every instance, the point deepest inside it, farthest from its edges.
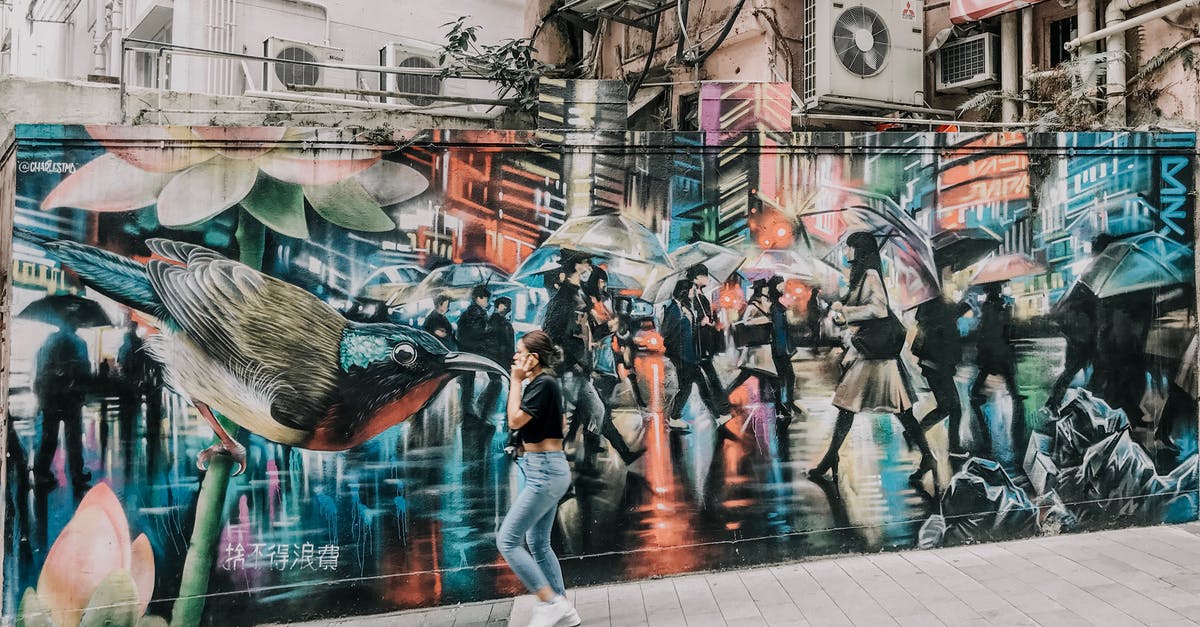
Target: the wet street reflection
(409, 518)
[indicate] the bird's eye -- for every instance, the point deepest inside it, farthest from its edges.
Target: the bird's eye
(404, 354)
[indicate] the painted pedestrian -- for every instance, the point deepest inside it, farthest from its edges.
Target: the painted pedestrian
(873, 378)
(938, 349)
(473, 338)
(994, 355)
(437, 324)
(60, 384)
(710, 339)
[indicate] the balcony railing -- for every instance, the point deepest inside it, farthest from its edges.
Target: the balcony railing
(149, 64)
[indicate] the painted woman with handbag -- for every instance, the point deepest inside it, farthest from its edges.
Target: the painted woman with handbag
(754, 335)
(602, 324)
(873, 379)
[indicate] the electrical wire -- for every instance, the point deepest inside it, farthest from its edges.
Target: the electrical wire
(681, 7)
(721, 39)
(637, 82)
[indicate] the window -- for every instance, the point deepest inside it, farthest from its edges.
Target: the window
(1062, 31)
(689, 112)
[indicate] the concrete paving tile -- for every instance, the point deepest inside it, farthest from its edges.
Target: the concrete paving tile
(502, 610)
(814, 603)
(1134, 604)
(472, 615)
(891, 596)
(695, 597)
(925, 619)
(659, 597)
(782, 614)
(664, 620)
(1002, 615)
(764, 588)
(625, 604)
(974, 593)
(1191, 612)
(732, 596)
(522, 609)
(708, 619)
(1061, 618)
(1142, 560)
(854, 601)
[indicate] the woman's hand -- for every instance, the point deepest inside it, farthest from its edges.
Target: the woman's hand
(522, 366)
(837, 307)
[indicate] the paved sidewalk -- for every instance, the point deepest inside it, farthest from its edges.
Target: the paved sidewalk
(1143, 576)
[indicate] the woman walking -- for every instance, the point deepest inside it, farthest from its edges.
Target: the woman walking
(535, 414)
(872, 378)
(761, 361)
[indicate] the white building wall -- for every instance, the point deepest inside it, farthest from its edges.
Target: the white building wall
(361, 27)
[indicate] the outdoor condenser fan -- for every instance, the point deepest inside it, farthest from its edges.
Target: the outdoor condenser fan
(861, 41)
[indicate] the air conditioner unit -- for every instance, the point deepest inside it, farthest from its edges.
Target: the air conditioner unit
(862, 54)
(968, 62)
(278, 75)
(411, 54)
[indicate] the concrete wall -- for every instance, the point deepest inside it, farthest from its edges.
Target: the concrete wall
(27, 101)
(1089, 421)
(66, 50)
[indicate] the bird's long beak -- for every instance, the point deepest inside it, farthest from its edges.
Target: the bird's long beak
(470, 362)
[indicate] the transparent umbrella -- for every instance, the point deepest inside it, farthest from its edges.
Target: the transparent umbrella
(610, 236)
(902, 241)
(1006, 267)
(1142, 262)
(454, 280)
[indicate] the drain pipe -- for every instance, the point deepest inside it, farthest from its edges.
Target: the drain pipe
(1026, 57)
(1085, 20)
(1115, 26)
(1009, 63)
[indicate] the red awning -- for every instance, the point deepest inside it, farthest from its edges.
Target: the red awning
(962, 11)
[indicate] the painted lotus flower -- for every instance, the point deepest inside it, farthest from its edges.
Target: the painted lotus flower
(192, 174)
(93, 574)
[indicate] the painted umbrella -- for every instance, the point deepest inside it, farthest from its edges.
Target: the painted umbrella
(69, 309)
(1139, 263)
(1005, 268)
(454, 280)
(623, 274)
(609, 236)
(721, 262)
(786, 263)
(902, 241)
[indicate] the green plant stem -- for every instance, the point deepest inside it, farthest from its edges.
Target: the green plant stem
(210, 505)
(251, 238)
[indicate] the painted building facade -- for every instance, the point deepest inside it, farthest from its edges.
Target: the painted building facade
(404, 514)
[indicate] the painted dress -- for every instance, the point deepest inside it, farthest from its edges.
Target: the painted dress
(870, 385)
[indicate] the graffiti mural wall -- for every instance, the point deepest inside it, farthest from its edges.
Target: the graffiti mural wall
(259, 372)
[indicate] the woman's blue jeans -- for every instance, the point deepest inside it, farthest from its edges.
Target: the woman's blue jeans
(531, 519)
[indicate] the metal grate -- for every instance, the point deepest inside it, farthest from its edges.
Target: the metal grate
(418, 83)
(809, 80)
(963, 61)
(292, 74)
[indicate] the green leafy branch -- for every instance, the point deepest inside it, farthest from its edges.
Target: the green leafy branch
(510, 64)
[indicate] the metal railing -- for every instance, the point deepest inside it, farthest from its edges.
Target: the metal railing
(160, 54)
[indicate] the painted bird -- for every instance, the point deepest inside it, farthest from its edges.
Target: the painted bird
(268, 355)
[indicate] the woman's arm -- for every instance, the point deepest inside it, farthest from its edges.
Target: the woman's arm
(517, 417)
(872, 302)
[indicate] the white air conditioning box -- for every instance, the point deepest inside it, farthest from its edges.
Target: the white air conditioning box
(277, 75)
(863, 54)
(425, 86)
(968, 62)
